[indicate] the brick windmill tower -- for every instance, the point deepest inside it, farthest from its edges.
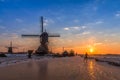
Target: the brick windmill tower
(44, 37)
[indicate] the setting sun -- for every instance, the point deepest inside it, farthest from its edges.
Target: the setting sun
(91, 50)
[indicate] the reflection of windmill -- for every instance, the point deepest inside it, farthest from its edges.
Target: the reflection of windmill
(10, 48)
(43, 48)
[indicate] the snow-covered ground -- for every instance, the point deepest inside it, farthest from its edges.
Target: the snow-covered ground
(113, 60)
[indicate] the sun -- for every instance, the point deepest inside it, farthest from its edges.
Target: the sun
(91, 50)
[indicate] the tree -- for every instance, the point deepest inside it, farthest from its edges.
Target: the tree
(65, 53)
(71, 53)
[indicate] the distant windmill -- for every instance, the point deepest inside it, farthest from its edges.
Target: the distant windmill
(10, 48)
(43, 48)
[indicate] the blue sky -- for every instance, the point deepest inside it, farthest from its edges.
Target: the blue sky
(78, 21)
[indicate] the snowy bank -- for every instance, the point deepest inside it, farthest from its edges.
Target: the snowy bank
(112, 60)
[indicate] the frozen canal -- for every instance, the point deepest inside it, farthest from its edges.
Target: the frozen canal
(74, 68)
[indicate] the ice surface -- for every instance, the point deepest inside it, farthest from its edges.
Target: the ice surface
(12, 59)
(66, 68)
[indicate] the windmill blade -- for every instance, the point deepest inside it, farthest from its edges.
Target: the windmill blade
(11, 47)
(41, 24)
(54, 35)
(27, 35)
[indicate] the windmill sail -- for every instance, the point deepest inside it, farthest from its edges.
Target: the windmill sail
(41, 24)
(30, 35)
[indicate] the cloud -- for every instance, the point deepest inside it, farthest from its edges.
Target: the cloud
(117, 14)
(99, 22)
(45, 22)
(85, 33)
(48, 21)
(83, 27)
(66, 29)
(71, 28)
(94, 23)
(74, 28)
(19, 20)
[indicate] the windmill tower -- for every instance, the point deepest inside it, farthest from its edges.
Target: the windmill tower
(10, 48)
(44, 37)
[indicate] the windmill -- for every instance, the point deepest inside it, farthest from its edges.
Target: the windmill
(10, 48)
(43, 48)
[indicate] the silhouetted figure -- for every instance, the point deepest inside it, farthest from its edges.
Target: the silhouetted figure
(86, 56)
(29, 53)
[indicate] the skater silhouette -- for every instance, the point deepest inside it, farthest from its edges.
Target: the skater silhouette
(86, 55)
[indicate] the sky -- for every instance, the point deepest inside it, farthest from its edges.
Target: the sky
(84, 25)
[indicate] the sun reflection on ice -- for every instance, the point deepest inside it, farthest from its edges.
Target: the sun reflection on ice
(91, 65)
(91, 70)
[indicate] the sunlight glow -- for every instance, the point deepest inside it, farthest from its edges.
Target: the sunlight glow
(91, 50)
